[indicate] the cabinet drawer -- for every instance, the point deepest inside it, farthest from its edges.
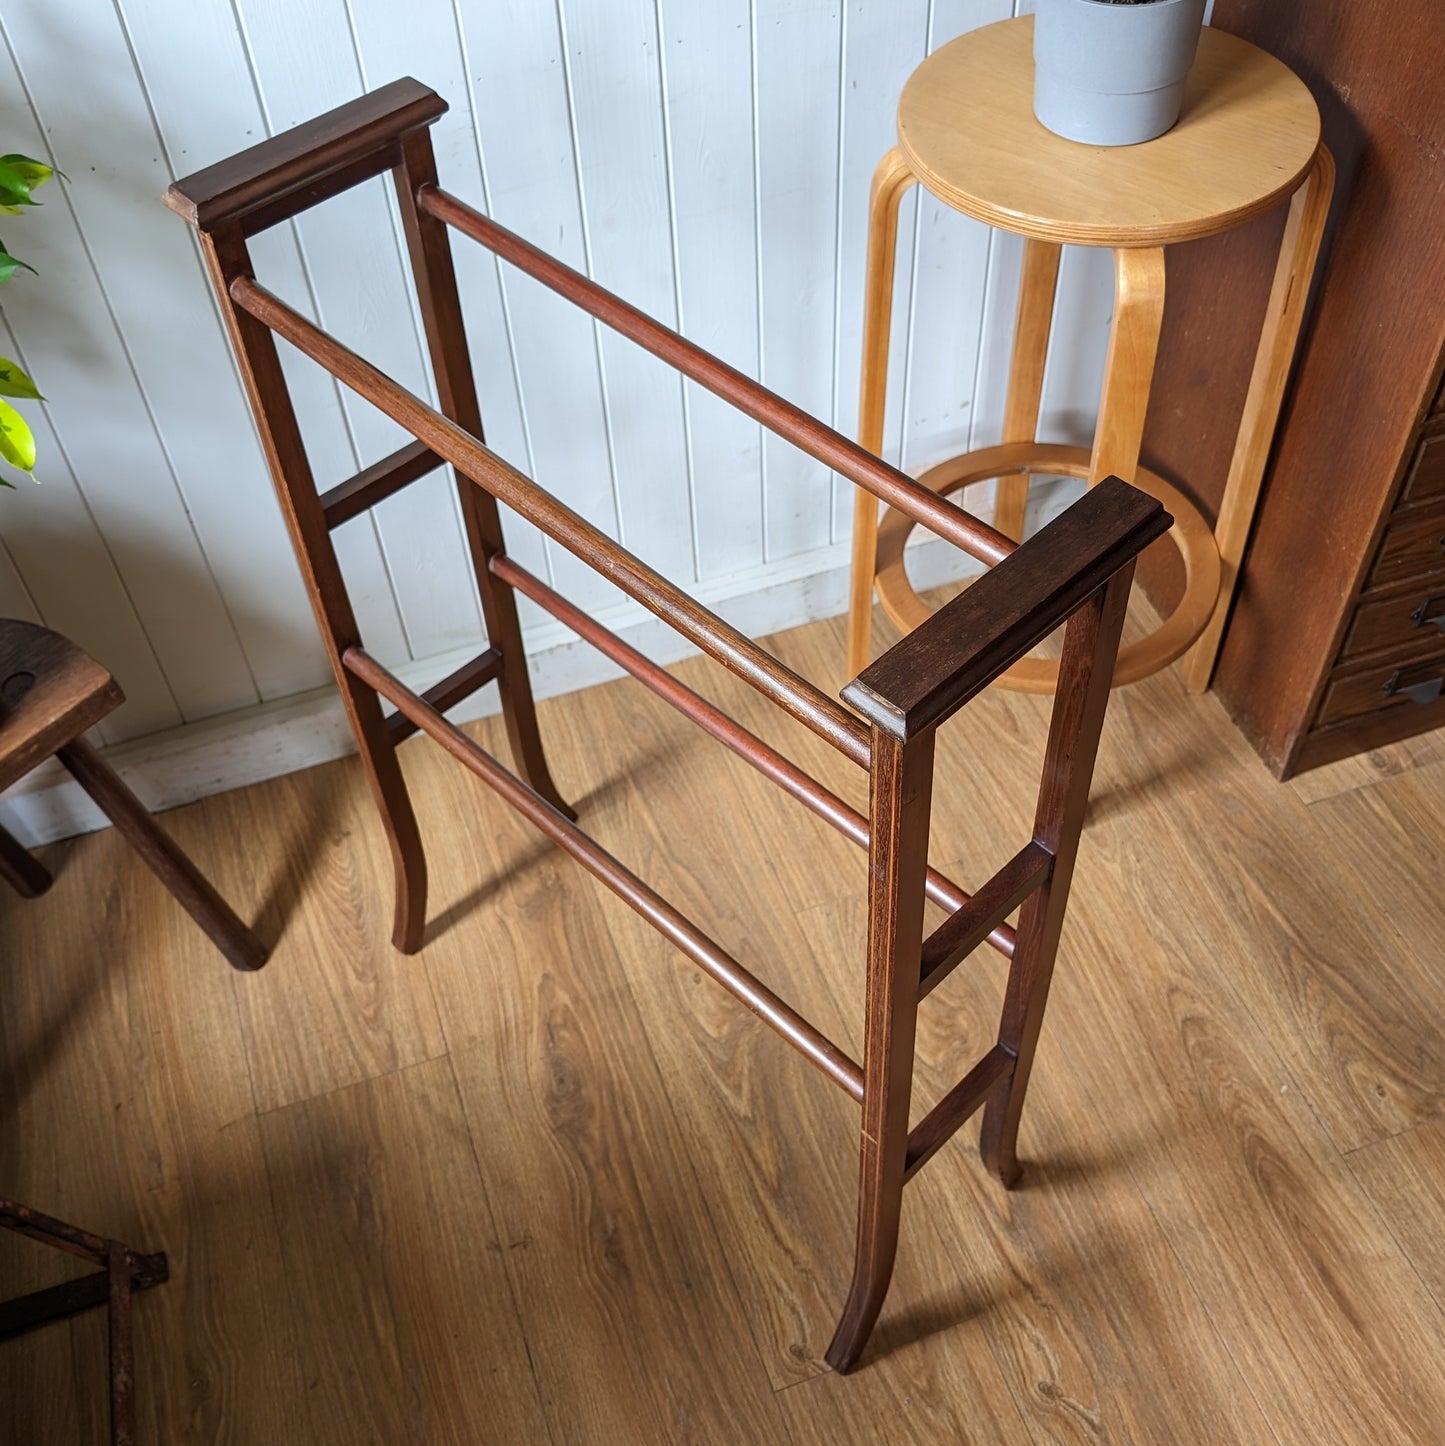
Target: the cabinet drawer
(1419, 685)
(1409, 548)
(1414, 617)
(1426, 477)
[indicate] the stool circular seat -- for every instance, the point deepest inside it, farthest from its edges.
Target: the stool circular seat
(1246, 137)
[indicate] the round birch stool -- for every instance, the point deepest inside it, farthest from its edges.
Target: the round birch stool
(1248, 138)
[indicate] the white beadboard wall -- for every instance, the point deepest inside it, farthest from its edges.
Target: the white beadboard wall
(708, 161)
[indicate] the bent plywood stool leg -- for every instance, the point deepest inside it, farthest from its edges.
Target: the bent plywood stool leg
(1299, 250)
(50, 693)
(1078, 568)
(1038, 284)
(891, 179)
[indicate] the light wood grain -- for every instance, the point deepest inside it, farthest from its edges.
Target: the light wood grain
(1405, 1177)
(384, 1223)
(1244, 140)
(1199, 1250)
(1038, 281)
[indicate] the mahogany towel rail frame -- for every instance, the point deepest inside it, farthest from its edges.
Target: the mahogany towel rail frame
(1076, 572)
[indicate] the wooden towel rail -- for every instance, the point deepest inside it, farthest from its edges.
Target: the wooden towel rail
(1076, 573)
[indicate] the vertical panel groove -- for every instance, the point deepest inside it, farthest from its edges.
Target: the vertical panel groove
(758, 261)
(607, 424)
(125, 350)
(504, 298)
(418, 332)
(315, 305)
(669, 165)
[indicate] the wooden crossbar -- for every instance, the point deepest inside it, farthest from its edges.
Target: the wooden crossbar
(376, 483)
(736, 651)
(778, 415)
(982, 917)
(1075, 573)
(707, 953)
(746, 744)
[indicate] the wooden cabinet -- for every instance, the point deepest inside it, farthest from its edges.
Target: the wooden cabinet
(1337, 640)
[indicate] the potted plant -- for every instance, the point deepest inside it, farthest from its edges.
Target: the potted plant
(1111, 72)
(19, 177)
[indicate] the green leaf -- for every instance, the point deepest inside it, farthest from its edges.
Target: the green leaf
(14, 382)
(14, 186)
(17, 441)
(9, 264)
(35, 173)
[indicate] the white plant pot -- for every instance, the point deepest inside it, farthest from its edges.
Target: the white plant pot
(1113, 75)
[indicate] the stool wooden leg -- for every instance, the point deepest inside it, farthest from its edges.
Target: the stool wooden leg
(902, 783)
(1038, 282)
(1091, 642)
(890, 181)
(1298, 251)
(20, 869)
(1129, 366)
(171, 864)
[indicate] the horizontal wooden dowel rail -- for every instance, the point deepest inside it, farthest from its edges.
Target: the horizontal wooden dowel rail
(728, 731)
(778, 415)
(479, 464)
(667, 920)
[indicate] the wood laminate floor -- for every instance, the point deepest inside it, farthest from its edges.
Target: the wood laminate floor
(544, 1182)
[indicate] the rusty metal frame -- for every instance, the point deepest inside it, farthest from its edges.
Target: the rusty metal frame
(123, 1272)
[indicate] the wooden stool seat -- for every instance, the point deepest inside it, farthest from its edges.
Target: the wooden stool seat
(51, 691)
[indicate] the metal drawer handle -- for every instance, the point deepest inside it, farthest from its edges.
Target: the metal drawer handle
(1432, 610)
(1422, 693)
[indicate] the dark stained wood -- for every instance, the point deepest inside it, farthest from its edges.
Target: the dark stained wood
(964, 930)
(777, 414)
(924, 679)
(1091, 642)
(375, 483)
(1413, 546)
(747, 745)
(1366, 732)
(899, 810)
(1425, 478)
(226, 257)
(465, 681)
(1062, 576)
(441, 311)
(21, 869)
(1413, 617)
(1368, 370)
(50, 692)
(942, 1122)
(169, 862)
(736, 651)
(1386, 684)
(308, 163)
